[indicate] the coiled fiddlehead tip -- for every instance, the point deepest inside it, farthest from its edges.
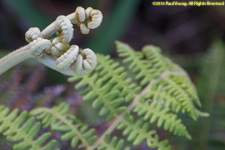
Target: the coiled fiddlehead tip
(32, 34)
(88, 11)
(87, 19)
(80, 14)
(89, 61)
(84, 29)
(96, 18)
(66, 27)
(67, 59)
(78, 64)
(38, 46)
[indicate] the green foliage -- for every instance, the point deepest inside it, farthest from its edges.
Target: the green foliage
(138, 131)
(158, 91)
(17, 128)
(59, 120)
(172, 83)
(139, 99)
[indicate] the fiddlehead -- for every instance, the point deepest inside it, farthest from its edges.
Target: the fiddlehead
(86, 61)
(66, 27)
(68, 58)
(87, 19)
(57, 53)
(38, 46)
(94, 18)
(32, 34)
(79, 15)
(80, 63)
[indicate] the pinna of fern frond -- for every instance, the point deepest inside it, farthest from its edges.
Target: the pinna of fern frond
(174, 79)
(72, 128)
(23, 130)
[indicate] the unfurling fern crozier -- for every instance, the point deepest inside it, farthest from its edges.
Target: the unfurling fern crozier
(56, 52)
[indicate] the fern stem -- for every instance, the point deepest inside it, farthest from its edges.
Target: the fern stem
(14, 58)
(120, 118)
(50, 29)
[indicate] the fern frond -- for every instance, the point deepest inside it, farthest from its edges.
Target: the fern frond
(72, 128)
(17, 129)
(154, 112)
(151, 65)
(159, 90)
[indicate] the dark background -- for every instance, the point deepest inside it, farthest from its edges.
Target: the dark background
(183, 30)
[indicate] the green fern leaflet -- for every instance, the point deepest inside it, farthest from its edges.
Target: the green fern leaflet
(59, 120)
(17, 128)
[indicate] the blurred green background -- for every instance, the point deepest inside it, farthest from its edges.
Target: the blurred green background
(191, 36)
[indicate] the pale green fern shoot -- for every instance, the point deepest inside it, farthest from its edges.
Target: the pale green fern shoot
(56, 52)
